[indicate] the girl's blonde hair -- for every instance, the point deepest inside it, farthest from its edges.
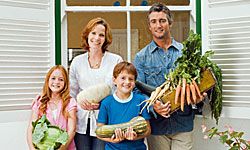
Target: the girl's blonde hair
(64, 93)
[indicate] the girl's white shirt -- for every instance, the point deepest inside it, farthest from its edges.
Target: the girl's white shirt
(82, 76)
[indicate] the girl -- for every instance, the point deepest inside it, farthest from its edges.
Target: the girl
(121, 107)
(56, 103)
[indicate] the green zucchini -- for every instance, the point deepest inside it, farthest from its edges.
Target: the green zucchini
(138, 123)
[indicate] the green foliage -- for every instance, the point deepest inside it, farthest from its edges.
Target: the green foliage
(47, 137)
(190, 66)
(233, 139)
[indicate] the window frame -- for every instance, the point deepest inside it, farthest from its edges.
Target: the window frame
(128, 9)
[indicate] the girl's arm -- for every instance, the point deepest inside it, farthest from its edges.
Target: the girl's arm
(116, 138)
(33, 117)
(71, 128)
(131, 135)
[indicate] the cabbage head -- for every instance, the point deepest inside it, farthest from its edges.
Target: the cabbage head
(46, 136)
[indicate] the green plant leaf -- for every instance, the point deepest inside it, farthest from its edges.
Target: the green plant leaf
(224, 139)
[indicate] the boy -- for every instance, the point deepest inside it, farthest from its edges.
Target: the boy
(121, 107)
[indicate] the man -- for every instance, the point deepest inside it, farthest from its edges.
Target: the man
(152, 63)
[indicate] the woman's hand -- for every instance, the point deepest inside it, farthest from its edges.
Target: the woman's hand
(162, 109)
(130, 134)
(89, 106)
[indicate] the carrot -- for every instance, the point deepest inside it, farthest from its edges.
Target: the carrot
(165, 88)
(153, 98)
(188, 94)
(177, 93)
(183, 89)
(193, 91)
(196, 88)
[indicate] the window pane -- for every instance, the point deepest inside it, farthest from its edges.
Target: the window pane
(167, 2)
(117, 21)
(96, 2)
(141, 35)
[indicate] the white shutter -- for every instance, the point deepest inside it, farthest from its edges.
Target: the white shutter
(26, 50)
(226, 30)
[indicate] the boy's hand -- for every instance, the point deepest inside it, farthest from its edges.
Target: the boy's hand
(130, 134)
(118, 136)
(162, 109)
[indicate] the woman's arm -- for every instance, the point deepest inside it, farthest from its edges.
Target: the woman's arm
(33, 117)
(71, 130)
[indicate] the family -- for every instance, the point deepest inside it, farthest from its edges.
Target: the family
(98, 65)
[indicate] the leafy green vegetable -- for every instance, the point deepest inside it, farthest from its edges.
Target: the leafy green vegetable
(46, 136)
(216, 102)
(190, 66)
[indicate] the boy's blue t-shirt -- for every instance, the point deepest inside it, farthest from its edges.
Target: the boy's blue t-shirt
(115, 111)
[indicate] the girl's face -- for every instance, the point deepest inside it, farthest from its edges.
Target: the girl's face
(96, 37)
(56, 81)
(125, 82)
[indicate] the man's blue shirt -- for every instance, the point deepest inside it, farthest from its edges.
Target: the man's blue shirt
(152, 64)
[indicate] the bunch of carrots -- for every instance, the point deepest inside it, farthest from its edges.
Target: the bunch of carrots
(187, 75)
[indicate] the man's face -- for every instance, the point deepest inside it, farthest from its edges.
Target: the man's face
(159, 25)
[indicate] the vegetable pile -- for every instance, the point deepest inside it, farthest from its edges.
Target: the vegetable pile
(184, 78)
(46, 136)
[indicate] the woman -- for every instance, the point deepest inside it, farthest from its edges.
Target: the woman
(91, 68)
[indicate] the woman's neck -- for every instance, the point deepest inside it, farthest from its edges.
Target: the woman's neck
(95, 53)
(95, 58)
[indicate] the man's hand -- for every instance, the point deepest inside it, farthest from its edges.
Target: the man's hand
(201, 98)
(162, 109)
(89, 106)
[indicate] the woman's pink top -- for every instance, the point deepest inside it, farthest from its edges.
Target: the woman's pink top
(60, 120)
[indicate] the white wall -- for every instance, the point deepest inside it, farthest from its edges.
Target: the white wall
(13, 126)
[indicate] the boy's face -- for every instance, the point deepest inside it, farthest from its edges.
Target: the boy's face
(125, 82)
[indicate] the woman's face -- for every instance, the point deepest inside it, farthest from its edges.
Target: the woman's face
(96, 37)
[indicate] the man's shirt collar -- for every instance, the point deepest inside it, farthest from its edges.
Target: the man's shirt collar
(154, 46)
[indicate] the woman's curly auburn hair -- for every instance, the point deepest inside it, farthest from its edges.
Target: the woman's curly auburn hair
(64, 93)
(89, 27)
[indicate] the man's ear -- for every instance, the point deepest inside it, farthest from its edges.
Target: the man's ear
(170, 25)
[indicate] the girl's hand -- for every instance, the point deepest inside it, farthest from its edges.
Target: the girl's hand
(62, 147)
(32, 148)
(130, 134)
(89, 106)
(118, 136)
